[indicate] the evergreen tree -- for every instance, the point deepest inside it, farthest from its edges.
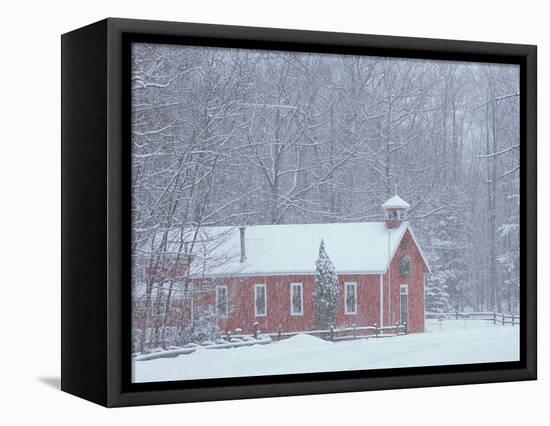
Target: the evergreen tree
(447, 284)
(437, 297)
(325, 294)
(449, 246)
(509, 264)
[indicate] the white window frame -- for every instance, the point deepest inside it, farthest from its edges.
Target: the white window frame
(401, 293)
(346, 310)
(218, 288)
(256, 286)
(301, 287)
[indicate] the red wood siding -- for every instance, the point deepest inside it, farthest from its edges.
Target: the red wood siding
(415, 283)
(368, 300)
(241, 313)
(241, 296)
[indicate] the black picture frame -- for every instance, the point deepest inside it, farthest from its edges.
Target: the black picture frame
(96, 216)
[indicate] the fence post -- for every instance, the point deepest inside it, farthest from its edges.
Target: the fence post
(256, 326)
(494, 317)
(502, 319)
(354, 331)
(405, 329)
(396, 328)
(375, 329)
(279, 332)
(513, 319)
(332, 333)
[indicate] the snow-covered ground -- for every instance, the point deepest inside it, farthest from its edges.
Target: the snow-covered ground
(448, 342)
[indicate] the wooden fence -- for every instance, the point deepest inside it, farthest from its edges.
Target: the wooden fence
(235, 340)
(495, 317)
(332, 333)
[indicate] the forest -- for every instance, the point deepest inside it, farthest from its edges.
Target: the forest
(244, 137)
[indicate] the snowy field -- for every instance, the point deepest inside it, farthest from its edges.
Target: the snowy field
(448, 342)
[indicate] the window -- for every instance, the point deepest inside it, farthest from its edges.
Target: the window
(396, 214)
(404, 302)
(221, 301)
(350, 298)
(296, 299)
(260, 300)
(405, 266)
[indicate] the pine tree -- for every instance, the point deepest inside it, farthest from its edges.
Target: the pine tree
(446, 286)
(325, 294)
(449, 285)
(509, 265)
(437, 297)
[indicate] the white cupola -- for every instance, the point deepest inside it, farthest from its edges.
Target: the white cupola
(395, 211)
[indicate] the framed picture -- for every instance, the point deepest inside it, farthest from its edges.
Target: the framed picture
(253, 212)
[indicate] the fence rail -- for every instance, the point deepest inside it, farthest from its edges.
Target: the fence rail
(332, 333)
(495, 317)
(234, 340)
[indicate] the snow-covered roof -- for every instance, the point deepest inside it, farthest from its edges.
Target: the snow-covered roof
(396, 202)
(363, 247)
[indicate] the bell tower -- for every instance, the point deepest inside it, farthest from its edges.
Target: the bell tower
(395, 211)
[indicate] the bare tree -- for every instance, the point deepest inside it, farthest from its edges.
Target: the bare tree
(235, 136)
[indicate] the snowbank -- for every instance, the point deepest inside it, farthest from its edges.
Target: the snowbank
(304, 340)
(193, 347)
(444, 343)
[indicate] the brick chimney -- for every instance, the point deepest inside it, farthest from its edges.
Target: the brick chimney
(242, 230)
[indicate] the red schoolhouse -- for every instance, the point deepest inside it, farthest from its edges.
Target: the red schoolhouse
(265, 274)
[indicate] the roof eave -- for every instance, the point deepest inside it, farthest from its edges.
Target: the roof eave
(424, 259)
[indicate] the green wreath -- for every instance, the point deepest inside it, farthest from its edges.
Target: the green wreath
(405, 266)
